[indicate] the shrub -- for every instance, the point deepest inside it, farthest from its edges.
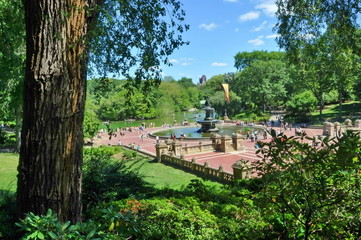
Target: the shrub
(106, 179)
(301, 104)
(309, 192)
(49, 227)
(162, 219)
(7, 214)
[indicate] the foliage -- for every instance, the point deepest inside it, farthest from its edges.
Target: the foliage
(322, 38)
(213, 84)
(121, 102)
(262, 83)
(253, 115)
(301, 22)
(245, 59)
(164, 219)
(48, 226)
(301, 105)
(137, 35)
(90, 124)
(105, 179)
(220, 105)
(7, 213)
(186, 82)
(312, 192)
(12, 55)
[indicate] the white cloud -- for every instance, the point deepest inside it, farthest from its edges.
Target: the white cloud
(218, 64)
(249, 16)
(230, 0)
(182, 61)
(236, 30)
(173, 61)
(187, 59)
(257, 42)
(208, 27)
(272, 36)
(260, 27)
(267, 6)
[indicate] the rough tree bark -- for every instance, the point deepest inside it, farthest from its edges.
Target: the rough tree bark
(52, 138)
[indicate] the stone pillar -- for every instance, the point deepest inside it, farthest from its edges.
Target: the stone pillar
(242, 169)
(338, 129)
(200, 147)
(237, 141)
(358, 123)
(176, 148)
(216, 141)
(193, 163)
(348, 123)
(328, 129)
(160, 148)
(186, 148)
(221, 172)
(206, 167)
(226, 144)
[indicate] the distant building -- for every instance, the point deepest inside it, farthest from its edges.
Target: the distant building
(203, 80)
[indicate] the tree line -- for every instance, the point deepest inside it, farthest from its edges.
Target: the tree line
(64, 40)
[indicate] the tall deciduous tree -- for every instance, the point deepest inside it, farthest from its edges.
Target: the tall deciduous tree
(263, 84)
(57, 37)
(12, 56)
(327, 28)
(244, 59)
(302, 22)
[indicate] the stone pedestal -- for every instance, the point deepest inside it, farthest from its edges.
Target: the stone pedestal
(328, 129)
(176, 148)
(226, 144)
(348, 123)
(242, 169)
(237, 141)
(216, 141)
(358, 123)
(160, 149)
(338, 129)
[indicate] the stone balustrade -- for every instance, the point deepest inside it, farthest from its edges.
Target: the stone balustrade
(241, 169)
(336, 128)
(201, 147)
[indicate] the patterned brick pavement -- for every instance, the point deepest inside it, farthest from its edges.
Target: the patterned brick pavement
(215, 159)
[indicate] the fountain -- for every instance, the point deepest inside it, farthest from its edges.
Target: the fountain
(208, 124)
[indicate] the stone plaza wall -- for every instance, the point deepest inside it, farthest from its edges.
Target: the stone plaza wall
(241, 170)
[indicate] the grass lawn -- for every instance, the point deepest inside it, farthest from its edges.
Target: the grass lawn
(8, 171)
(155, 173)
(350, 110)
(162, 175)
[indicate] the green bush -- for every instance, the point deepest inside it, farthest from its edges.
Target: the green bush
(106, 179)
(310, 192)
(7, 138)
(252, 115)
(301, 105)
(7, 214)
(162, 219)
(49, 227)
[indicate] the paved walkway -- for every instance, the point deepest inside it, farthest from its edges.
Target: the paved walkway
(215, 159)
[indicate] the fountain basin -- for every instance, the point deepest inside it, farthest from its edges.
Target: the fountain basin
(192, 133)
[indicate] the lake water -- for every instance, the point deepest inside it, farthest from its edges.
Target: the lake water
(168, 119)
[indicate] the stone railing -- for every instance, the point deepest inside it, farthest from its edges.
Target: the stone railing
(241, 169)
(197, 148)
(336, 128)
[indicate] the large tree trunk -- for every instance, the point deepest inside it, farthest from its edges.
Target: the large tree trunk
(52, 138)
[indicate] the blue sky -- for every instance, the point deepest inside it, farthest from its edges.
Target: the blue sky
(218, 30)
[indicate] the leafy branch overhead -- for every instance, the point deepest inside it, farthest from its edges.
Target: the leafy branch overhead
(136, 37)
